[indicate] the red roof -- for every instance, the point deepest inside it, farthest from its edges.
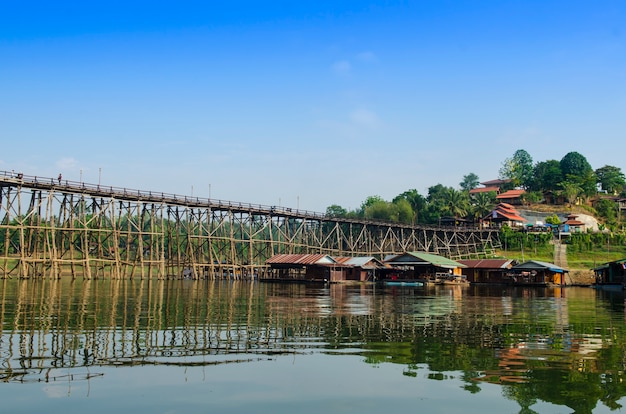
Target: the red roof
(504, 210)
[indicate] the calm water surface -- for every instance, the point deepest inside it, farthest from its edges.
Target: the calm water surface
(235, 347)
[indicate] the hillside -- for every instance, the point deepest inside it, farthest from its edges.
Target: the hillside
(579, 264)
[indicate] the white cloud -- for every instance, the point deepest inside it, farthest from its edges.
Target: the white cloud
(342, 67)
(367, 57)
(364, 118)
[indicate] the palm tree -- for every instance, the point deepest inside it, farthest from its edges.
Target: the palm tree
(482, 204)
(456, 203)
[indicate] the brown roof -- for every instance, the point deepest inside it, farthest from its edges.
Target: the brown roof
(511, 194)
(299, 259)
(495, 182)
(488, 263)
(573, 222)
(504, 210)
(484, 190)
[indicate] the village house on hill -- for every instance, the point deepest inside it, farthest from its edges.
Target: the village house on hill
(504, 214)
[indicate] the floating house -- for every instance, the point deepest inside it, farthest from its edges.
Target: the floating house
(422, 266)
(324, 268)
(359, 269)
(487, 270)
(536, 273)
(611, 274)
(301, 267)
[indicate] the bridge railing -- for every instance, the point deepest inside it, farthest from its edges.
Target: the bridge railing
(157, 196)
(80, 186)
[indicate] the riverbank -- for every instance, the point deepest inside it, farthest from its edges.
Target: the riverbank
(580, 277)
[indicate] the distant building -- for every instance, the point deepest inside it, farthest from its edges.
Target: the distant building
(489, 186)
(504, 214)
(511, 196)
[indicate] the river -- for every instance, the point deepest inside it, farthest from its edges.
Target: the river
(183, 346)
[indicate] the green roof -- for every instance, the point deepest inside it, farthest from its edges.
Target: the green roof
(430, 258)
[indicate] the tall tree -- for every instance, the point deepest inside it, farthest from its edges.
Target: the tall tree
(455, 203)
(571, 191)
(611, 179)
(415, 199)
(470, 181)
(547, 176)
(519, 169)
(336, 211)
(369, 201)
(573, 163)
(482, 204)
(576, 169)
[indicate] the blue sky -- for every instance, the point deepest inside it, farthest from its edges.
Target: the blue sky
(307, 104)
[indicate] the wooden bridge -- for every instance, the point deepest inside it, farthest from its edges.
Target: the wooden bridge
(52, 227)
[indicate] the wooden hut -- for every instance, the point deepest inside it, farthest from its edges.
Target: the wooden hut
(359, 269)
(422, 266)
(611, 274)
(486, 270)
(302, 267)
(536, 273)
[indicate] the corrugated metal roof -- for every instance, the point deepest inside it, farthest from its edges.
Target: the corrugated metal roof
(365, 262)
(538, 265)
(426, 258)
(300, 259)
(487, 263)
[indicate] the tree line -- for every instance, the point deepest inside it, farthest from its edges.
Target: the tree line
(571, 179)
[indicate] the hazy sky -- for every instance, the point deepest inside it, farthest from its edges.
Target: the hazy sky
(306, 104)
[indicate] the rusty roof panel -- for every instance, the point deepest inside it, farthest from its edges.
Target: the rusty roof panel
(300, 259)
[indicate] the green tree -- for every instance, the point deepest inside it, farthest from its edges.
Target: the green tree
(380, 210)
(574, 164)
(607, 209)
(553, 220)
(404, 211)
(416, 200)
(571, 190)
(532, 197)
(369, 201)
(611, 179)
(470, 181)
(519, 169)
(336, 211)
(455, 203)
(547, 176)
(482, 204)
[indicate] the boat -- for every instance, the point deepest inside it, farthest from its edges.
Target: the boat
(403, 283)
(455, 280)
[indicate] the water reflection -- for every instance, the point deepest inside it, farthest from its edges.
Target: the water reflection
(559, 346)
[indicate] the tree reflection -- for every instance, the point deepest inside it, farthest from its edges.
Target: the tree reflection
(562, 347)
